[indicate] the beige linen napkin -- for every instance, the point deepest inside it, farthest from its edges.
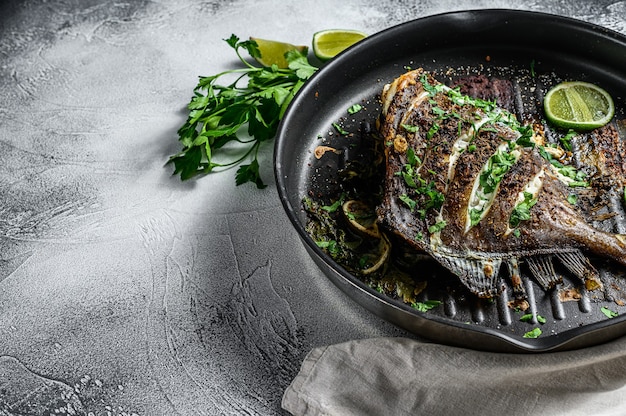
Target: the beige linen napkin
(400, 376)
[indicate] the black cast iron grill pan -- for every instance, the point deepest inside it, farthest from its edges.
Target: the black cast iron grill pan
(533, 51)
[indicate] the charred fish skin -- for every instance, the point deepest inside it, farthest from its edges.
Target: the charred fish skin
(470, 185)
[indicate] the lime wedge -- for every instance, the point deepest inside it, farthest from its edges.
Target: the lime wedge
(578, 105)
(273, 52)
(328, 43)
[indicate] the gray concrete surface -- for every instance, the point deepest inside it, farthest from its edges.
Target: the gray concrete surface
(122, 290)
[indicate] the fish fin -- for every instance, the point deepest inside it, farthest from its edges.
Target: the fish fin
(480, 276)
(542, 269)
(578, 264)
(515, 275)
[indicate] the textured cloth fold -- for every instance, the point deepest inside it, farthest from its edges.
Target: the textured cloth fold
(400, 376)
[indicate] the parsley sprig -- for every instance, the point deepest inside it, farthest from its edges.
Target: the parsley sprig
(218, 114)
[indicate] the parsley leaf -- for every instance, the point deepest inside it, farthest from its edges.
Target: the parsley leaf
(249, 173)
(432, 131)
(340, 129)
(534, 333)
(412, 158)
(566, 141)
(332, 246)
(299, 63)
(497, 166)
(408, 201)
(574, 177)
(521, 212)
(335, 206)
(435, 228)
(572, 199)
(529, 316)
(608, 313)
(410, 128)
(475, 216)
(426, 305)
(227, 124)
(354, 108)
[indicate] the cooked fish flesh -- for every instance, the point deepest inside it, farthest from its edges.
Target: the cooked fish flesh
(479, 191)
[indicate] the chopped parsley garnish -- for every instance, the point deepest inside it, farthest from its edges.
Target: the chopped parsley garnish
(490, 108)
(335, 205)
(521, 212)
(408, 201)
(566, 141)
(608, 313)
(529, 316)
(525, 140)
(432, 131)
(432, 90)
(340, 129)
(435, 228)
(497, 166)
(364, 261)
(355, 108)
(408, 171)
(534, 333)
(438, 111)
(490, 177)
(410, 128)
(572, 199)
(433, 199)
(426, 305)
(475, 216)
(573, 177)
(412, 158)
(331, 246)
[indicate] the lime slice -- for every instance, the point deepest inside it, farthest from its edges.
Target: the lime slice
(578, 105)
(273, 52)
(328, 43)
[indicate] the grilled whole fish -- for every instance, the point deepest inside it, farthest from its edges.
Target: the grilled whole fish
(470, 185)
